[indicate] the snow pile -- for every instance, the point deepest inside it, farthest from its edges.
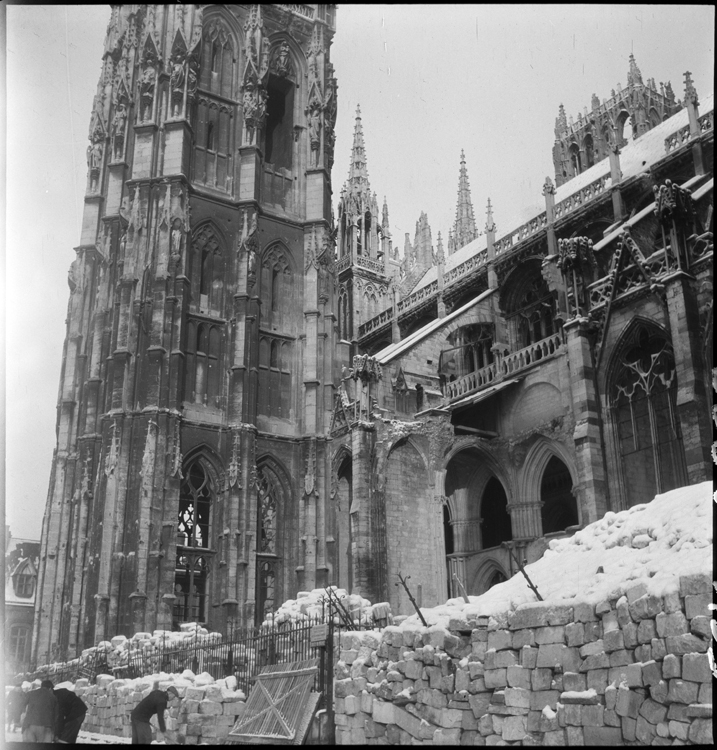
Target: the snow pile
(120, 650)
(314, 606)
(654, 543)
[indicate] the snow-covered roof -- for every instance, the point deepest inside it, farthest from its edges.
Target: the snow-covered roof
(635, 157)
(393, 350)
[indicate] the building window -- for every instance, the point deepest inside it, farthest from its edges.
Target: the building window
(193, 542)
(529, 306)
(19, 643)
(275, 356)
(276, 289)
(643, 399)
(270, 502)
(495, 522)
(279, 138)
(203, 383)
(206, 271)
(24, 583)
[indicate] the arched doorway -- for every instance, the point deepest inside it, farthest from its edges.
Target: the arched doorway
(495, 527)
(559, 509)
(475, 520)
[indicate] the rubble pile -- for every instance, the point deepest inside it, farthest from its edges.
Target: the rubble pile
(314, 606)
(205, 715)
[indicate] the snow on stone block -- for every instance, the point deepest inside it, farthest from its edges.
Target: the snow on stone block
(582, 697)
(203, 679)
(188, 675)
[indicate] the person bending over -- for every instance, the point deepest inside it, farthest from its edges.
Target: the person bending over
(155, 703)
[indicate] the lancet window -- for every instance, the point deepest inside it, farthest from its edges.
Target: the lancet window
(206, 264)
(202, 384)
(531, 308)
(276, 289)
(644, 415)
(270, 501)
(275, 357)
(216, 109)
(192, 567)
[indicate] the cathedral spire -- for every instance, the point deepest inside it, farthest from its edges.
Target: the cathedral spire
(358, 171)
(464, 228)
(634, 76)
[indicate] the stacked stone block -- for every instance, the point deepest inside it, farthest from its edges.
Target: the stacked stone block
(205, 715)
(633, 669)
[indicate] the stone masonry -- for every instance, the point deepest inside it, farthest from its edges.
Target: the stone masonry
(633, 670)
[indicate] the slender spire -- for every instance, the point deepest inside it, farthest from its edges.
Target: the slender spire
(464, 228)
(384, 216)
(634, 76)
(358, 172)
(489, 223)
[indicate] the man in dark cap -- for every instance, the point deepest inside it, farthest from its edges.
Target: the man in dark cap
(41, 714)
(72, 710)
(155, 703)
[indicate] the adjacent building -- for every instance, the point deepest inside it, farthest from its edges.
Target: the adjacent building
(21, 564)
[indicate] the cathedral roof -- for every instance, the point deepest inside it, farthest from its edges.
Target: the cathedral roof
(636, 156)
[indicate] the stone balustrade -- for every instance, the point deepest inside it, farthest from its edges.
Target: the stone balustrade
(677, 139)
(471, 382)
(519, 360)
(581, 197)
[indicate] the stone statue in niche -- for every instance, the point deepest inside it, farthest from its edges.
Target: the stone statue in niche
(314, 116)
(119, 127)
(176, 239)
(95, 152)
(176, 83)
(282, 61)
(146, 92)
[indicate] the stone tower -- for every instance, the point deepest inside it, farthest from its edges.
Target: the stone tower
(189, 482)
(627, 114)
(365, 251)
(464, 227)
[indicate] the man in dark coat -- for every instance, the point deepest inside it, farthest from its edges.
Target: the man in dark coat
(72, 711)
(155, 703)
(41, 714)
(14, 707)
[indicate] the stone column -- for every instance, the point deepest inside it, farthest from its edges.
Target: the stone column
(592, 489)
(618, 207)
(365, 573)
(525, 519)
(692, 398)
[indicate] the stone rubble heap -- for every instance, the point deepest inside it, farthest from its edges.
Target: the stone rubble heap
(314, 606)
(634, 669)
(119, 650)
(206, 714)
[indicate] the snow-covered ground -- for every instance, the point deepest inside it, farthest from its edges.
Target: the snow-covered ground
(83, 738)
(654, 543)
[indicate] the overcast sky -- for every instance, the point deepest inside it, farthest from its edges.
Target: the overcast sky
(431, 80)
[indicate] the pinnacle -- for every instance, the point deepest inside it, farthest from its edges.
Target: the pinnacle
(358, 172)
(464, 227)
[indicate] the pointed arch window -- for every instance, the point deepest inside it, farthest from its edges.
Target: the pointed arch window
(271, 499)
(203, 383)
(275, 357)
(215, 109)
(276, 289)
(193, 561)
(206, 266)
(530, 307)
(644, 415)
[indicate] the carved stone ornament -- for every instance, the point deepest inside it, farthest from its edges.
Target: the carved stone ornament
(86, 484)
(673, 203)
(310, 475)
(281, 64)
(150, 448)
(176, 453)
(234, 471)
(366, 367)
(113, 451)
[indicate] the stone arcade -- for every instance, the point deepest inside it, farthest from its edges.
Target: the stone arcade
(255, 400)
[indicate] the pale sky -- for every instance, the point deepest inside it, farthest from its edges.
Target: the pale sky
(431, 80)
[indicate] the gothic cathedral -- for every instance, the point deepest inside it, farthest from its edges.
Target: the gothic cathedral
(257, 399)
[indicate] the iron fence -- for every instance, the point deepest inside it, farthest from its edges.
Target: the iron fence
(243, 653)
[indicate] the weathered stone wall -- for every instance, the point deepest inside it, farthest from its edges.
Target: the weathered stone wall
(629, 670)
(205, 715)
